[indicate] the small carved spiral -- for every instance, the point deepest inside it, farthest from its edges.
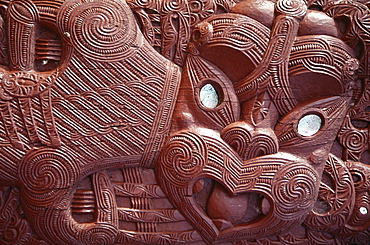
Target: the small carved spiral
(148, 4)
(173, 5)
(295, 8)
(16, 233)
(104, 235)
(99, 29)
(183, 158)
(353, 140)
(294, 189)
(45, 172)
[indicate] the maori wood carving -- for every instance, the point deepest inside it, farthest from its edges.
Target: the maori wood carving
(184, 122)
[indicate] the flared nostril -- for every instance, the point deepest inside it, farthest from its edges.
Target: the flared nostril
(250, 142)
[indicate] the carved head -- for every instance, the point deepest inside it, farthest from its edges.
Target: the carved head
(221, 121)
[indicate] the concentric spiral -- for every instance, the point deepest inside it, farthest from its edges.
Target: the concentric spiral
(145, 4)
(353, 140)
(104, 235)
(173, 5)
(184, 157)
(99, 29)
(294, 190)
(295, 8)
(45, 172)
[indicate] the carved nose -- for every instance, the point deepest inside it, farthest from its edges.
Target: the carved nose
(248, 141)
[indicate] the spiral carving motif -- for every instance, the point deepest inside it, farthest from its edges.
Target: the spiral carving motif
(353, 140)
(100, 183)
(101, 236)
(174, 5)
(43, 173)
(99, 29)
(294, 190)
(295, 8)
(143, 4)
(183, 158)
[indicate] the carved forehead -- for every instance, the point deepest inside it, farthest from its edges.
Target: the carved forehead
(313, 58)
(314, 22)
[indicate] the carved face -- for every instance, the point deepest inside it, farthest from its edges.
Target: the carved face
(261, 101)
(242, 128)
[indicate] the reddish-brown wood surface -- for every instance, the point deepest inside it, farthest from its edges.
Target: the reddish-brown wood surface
(184, 122)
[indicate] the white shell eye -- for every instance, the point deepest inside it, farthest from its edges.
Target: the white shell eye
(309, 125)
(208, 96)
(363, 210)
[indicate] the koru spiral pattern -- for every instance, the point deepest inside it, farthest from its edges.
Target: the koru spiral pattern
(184, 122)
(184, 157)
(99, 29)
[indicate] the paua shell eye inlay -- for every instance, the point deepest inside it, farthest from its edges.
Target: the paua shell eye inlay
(209, 96)
(309, 125)
(363, 210)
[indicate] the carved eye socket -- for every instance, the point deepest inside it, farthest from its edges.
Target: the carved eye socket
(309, 125)
(209, 97)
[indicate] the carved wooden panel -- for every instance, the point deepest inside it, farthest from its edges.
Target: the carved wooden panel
(184, 122)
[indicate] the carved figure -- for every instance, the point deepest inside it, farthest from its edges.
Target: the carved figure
(186, 121)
